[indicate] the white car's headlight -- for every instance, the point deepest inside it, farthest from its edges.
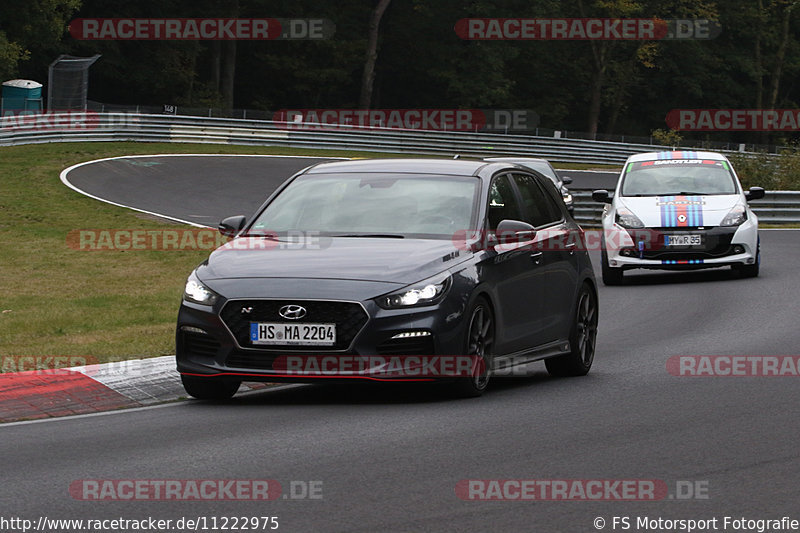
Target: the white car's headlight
(198, 293)
(735, 217)
(628, 220)
(426, 292)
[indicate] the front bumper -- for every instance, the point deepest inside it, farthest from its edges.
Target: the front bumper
(720, 246)
(214, 341)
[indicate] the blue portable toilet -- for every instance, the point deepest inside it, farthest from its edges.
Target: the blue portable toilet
(21, 95)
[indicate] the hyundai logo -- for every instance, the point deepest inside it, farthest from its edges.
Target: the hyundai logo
(292, 312)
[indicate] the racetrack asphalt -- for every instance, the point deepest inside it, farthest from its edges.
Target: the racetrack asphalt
(389, 458)
(205, 189)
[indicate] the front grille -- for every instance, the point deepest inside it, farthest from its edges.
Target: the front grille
(687, 255)
(349, 318)
(251, 359)
(407, 346)
(716, 243)
(264, 360)
(199, 344)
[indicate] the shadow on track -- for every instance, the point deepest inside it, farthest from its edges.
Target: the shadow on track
(379, 393)
(652, 277)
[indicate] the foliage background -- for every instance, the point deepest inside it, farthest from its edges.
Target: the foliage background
(611, 87)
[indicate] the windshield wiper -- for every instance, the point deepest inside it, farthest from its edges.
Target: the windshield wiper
(374, 235)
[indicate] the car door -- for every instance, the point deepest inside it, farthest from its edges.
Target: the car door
(558, 262)
(514, 271)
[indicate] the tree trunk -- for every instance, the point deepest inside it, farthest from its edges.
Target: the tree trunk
(780, 57)
(368, 77)
(594, 104)
(228, 73)
(228, 61)
(216, 58)
(621, 92)
(599, 51)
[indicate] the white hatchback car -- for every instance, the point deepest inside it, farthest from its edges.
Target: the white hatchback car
(678, 210)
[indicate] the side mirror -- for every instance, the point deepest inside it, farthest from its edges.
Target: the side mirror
(232, 225)
(566, 180)
(601, 196)
(511, 231)
(755, 193)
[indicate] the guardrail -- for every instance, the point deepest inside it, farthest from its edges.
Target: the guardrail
(170, 128)
(777, 207)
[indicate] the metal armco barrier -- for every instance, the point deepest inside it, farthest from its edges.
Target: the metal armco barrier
(170, 128)
(778, 207)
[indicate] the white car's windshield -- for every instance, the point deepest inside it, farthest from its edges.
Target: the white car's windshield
(677, 176)
(374, 205)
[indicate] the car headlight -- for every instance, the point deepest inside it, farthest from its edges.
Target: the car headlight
(198, 293)
(628, 220)
(426, 292)
(735, 217)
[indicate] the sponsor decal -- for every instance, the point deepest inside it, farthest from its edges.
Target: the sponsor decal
(681, 211)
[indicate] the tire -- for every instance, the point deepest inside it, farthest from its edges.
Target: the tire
(211, 388)
(611, 276)
(479, 341)
(751, 271)
(582, 338)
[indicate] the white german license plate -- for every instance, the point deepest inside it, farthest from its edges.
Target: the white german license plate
(293, 334)
(683, 240)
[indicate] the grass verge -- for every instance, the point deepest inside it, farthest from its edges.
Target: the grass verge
(107, 306)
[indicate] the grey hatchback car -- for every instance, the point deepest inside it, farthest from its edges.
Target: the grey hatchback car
(353, 270)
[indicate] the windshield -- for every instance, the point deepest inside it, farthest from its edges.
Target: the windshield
(381, 205)
(678, 176)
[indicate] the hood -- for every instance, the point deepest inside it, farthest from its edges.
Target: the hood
(388, 260)
(669, 211)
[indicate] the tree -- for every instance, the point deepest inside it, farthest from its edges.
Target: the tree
(368, 77)
(32, 34)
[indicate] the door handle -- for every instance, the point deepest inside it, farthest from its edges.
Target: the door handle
(571, 247)
(536, 257)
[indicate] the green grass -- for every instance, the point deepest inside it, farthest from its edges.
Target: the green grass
(109, 305)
